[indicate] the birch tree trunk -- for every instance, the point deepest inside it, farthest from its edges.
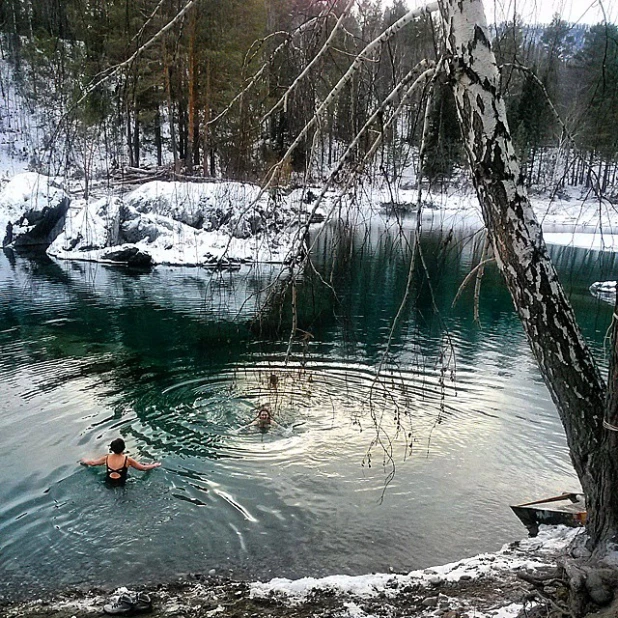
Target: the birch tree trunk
(565, 361)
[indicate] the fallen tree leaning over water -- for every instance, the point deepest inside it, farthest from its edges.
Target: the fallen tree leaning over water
(566, 363)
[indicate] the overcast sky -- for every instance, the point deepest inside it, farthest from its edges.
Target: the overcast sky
(542, 11)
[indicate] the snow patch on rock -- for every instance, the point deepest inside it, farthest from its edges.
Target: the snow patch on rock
(166, 222)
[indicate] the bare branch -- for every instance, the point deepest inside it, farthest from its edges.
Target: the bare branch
(469, 277)
(258, 75)
(283, 100)
(116, 69)
(479, 278)
(421, 79)
(145, 24)
(565, 130)
(388, 34)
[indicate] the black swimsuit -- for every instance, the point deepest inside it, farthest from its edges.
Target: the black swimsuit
(121, 471)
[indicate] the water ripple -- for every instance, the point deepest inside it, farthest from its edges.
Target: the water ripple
(171, 361)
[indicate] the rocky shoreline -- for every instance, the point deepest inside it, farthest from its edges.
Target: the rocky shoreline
(230, 599)
(489, 585)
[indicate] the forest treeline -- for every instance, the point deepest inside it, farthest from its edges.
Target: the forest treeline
(206, 95)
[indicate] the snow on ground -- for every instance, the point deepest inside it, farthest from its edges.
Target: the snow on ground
(191, 223)
(528, 555)
(572, 219)
(593, 241)
(14, 127)
(485, 586)
(172, 222)
(27, 192)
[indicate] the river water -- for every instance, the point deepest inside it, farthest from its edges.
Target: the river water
(401, 445)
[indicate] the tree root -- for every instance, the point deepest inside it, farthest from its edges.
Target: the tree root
(561, 609)
(541, 579)
(577, 588)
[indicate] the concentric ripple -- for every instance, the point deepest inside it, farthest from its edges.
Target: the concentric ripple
(394, 447)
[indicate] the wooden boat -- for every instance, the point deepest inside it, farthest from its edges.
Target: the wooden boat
(568, 509)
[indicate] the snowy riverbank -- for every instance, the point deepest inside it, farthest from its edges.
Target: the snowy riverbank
(210, 223)
(176, 223)
(484, 586)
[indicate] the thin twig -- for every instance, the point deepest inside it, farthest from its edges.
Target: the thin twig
(469, 276)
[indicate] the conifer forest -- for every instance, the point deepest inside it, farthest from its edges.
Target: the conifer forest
(222, 88)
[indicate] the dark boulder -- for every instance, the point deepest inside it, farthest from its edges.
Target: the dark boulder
(37, 228)
(131, 256)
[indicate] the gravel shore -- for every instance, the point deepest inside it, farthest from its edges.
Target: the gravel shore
(484, 586)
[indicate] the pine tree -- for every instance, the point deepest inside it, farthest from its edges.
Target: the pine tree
(599, 101)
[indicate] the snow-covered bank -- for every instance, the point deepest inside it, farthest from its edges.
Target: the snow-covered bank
(169, 222)
(185, 224)
(31, 208)
(527, 555)
(604, 290)
(191, 223)
(485, 586)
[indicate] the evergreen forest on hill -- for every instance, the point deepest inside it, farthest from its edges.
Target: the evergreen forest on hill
(198, 87)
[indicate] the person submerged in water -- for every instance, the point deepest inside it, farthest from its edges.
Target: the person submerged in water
(117, 464)
(264, 419)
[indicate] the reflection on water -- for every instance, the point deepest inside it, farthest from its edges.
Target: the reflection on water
(176, 362)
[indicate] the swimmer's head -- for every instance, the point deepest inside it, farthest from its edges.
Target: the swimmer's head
(117, 446)
(264, 414)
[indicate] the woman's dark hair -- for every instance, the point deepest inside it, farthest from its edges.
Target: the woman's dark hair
(117, 446)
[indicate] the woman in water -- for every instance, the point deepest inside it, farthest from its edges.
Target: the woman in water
(263, 421)
(117, 464)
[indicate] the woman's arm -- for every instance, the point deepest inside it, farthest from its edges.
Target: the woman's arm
(92, 462)
(254, 422)
(140, 466)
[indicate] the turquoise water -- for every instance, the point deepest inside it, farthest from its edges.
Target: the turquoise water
(400, 447)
